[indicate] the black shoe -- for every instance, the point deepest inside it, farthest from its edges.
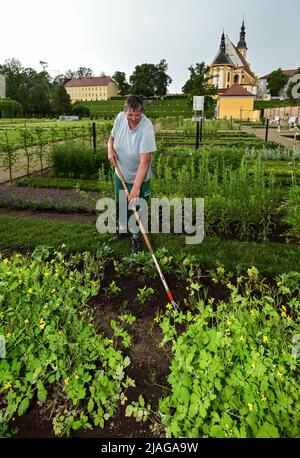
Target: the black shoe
(117, 237)
(136, 245)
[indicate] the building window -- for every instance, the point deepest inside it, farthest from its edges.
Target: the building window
(236, 79)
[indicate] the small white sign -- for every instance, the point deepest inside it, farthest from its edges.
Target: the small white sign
(198, 103)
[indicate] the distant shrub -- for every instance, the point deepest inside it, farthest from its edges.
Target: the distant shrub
(10, 108)
(81, 110)
(78, 161)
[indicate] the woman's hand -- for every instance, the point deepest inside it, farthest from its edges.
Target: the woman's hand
(112, 156)
(134, 195)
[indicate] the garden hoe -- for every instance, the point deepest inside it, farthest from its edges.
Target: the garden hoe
(146, 238)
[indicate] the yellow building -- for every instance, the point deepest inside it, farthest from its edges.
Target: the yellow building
(237, 103)
(95, 88)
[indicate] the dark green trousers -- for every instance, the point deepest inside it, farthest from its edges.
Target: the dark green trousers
(145, 193)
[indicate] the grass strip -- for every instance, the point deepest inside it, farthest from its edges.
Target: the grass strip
(269, 258)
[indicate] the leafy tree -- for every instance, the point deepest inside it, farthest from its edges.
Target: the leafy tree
(84, 72)
(60, 100)
(292, 84)
(14, 75)
(162, 79)
(149, 80)
(143, 80)
(40, 98)
(120, 79)
(198, 82)
(276, 81)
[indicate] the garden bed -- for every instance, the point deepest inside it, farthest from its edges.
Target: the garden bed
(215, 299)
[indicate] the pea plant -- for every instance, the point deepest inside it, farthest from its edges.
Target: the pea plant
(233, 372)
(53, 351)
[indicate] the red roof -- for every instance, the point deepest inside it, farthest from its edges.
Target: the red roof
(237, 91)
(288, 73)
(95, 81)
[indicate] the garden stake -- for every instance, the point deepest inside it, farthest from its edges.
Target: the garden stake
(146, 238)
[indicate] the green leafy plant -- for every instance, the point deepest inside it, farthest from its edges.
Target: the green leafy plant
(144, 294)
(138, 409)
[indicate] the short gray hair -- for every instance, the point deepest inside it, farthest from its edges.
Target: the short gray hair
(134, 102)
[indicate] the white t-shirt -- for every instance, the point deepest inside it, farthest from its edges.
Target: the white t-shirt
(129, 144)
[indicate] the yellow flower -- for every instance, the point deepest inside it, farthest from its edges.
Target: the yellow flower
(42, 324)
(253, 365)
(195, 318)
(280, 374)
(250, 406)
(53, 290)
(263, 397)
(283, 314)
(157, 318)
(46, 274)
(169, 306)
(284, 308)
(5, 261)
(242, 339)
(76, 376)
(252, 312)
(123, 399)
(111, 341)
(265, 339)
(9, 273)
(289, 318)
(18, 255)
(67, 380)
(26, 321)
(6, 386)
(30, 290)
(8, 335)
(52, 261)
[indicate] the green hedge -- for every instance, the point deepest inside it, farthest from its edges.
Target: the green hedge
(10, 108)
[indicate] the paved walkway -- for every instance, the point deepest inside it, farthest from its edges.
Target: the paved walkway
(274, 135)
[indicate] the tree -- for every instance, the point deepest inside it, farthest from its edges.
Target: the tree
(198, 82)
(40, 98)
(84, 72)
(120, 79)
(162, 79)
(60, 100)
(149, 80)
(14, 75)
(276, 81)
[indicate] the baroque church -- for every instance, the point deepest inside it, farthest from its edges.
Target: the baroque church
(236, 83)
(230, 66)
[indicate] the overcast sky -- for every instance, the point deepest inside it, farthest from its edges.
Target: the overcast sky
(120, 34)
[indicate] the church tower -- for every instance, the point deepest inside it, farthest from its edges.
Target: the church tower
(242, 46)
